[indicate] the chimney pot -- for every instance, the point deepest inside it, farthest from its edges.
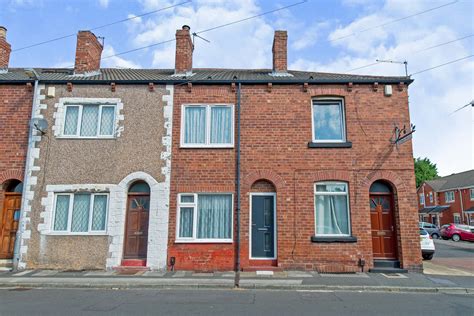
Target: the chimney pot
(5, 48)
(279, 49)
(184, 51)
(88, 52)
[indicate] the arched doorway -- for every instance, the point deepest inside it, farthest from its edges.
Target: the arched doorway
(382, 219)
(136, 224)
(9, 217)
(263, 233)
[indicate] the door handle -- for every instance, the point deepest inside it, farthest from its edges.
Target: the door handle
(263, 229)
(138, 233)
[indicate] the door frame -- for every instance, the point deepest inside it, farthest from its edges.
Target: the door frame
(126, 224)
(395, 226)
(275, 256)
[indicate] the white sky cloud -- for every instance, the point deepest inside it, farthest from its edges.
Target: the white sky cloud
(104, 3)
(116, 61)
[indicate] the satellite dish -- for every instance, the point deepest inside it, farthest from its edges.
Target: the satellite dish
(41, 125)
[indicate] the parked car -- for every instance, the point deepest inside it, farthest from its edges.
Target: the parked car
(457, 232)
(427, 245)
(432, 229)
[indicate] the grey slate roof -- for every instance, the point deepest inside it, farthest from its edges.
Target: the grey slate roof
(456, 180)
(433, 209)
(201, 75)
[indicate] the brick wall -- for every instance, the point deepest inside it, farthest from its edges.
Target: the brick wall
(88, 52)
(276, 129)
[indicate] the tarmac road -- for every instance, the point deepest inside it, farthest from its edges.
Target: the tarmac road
(228, 302)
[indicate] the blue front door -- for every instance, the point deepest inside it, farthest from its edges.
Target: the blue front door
(263, 226)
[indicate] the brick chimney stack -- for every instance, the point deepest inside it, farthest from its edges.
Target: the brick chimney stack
(280, 61)
(184, 51)
(5, 48)
(88, 53)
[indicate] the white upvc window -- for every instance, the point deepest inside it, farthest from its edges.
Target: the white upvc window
(431, 197)
(332, 215)
(457, 219)
(472, 194)
(328, 120)
(89, 121)
(80, 213)
(207, 125)
(422, 199)
(205, 217)
(449, 196)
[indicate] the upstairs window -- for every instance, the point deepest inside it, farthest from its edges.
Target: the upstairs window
(328, 120)
(431, 197)
(207, 126)
(89, 121)
(449, 196)
(472, 194)
(422, 199)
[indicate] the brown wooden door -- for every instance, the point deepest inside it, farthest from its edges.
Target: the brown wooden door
(384, 241)
(10, 217)
(136, 228)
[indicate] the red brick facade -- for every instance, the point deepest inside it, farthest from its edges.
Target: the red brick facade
(456, 207)
(276, 127)
(280, 52)
(184, 51)
(15, 112)
(5, 48)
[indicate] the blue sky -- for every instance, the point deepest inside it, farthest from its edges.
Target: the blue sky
(314, 30)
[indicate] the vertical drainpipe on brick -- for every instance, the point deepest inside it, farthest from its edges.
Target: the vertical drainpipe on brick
(17, 246)
(237, 183)
(462, 207)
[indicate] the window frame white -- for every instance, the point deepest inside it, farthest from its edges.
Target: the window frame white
(471, 194)
(346, 184)
(68, 231)
(79, 120)
(446, 197)
(194, 205)
(422, 199)
(207, 143)
(343, 120)
(459, 219)
(431, 196)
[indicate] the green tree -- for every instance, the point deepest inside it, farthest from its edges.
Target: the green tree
(425, 170)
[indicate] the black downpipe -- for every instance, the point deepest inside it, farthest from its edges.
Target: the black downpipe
(237, 183)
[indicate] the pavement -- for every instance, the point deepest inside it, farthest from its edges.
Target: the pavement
(450, 271)
(22, 301)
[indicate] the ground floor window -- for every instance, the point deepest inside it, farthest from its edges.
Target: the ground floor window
(457, 219)
(332, 215)
(78, 213)
(204, 217)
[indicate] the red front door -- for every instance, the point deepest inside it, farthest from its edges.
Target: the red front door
(136, 228)
(9, 217)
(384, 241)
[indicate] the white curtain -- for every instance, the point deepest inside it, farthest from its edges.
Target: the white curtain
(214, 216)
(90, 117)
(70, 122)
(99, 212)
(61, 214)
(195, 125)
(80, 213)
(107, 120)
(331, 215)
(221, 125)
(186, 222)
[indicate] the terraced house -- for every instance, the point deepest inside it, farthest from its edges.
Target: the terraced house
(218, 169)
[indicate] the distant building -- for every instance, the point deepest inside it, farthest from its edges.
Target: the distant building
(448, 199)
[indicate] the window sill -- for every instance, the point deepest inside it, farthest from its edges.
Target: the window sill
(327, 239)
(330, 145)
(64, 234)
(203, 241)
(207, 147)
(83, 137)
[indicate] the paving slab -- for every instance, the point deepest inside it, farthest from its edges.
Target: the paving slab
(23, 272)
(299, 274)
(154, 274)
(43, 273)
(100, 273)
